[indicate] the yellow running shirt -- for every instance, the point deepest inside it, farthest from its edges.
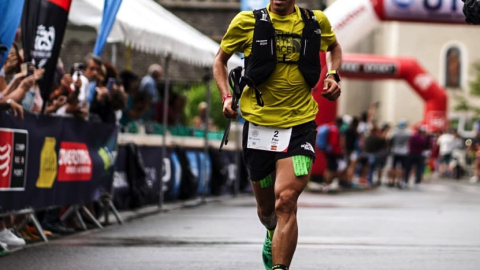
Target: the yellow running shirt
(287, 97)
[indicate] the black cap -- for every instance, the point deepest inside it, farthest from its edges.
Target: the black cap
(3, 47)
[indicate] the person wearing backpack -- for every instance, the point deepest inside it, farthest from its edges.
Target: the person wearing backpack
(281, 44)
(331, 143)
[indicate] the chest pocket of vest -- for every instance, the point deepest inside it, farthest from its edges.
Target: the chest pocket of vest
(262, 60)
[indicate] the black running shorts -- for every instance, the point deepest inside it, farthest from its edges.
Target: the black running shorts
(261, 163)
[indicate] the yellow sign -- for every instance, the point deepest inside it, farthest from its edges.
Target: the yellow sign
(48, 164)
(107, 161)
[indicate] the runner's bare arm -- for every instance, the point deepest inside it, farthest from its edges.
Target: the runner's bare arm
(331, 88)
(220, 73)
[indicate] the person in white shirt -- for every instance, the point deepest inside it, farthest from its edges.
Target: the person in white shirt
(446, 146)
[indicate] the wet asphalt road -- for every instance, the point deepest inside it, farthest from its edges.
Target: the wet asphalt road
(434, 227)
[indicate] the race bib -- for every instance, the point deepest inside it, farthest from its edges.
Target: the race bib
(268, 138)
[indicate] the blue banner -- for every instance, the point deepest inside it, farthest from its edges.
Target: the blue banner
(253, 4)
(110, 9)
(54, 161)
(9, 21)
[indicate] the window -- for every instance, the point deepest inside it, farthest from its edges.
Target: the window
(453, 65)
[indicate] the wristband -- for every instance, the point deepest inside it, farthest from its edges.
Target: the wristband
(225, 97)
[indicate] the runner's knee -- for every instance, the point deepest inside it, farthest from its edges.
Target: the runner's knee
(269, 220)
(286, 202)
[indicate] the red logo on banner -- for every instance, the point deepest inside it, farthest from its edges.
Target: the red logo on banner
(74, 162)
(65, 4)
(6, 141)
(13, 158)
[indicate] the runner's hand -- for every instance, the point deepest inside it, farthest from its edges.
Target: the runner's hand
(331, 89)
(227, 109)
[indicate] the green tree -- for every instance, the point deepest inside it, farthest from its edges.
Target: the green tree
(197, 94)
(475, 84)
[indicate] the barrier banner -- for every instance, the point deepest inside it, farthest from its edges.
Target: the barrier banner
(54, 161)
(185, 172)
(43, 28)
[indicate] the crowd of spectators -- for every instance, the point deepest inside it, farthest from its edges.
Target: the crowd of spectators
(362, 153)
(91, 90)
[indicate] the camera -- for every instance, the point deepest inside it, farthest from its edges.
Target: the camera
(77, 68)
(110, 83)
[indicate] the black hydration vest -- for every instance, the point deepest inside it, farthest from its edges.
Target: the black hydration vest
(262, 60)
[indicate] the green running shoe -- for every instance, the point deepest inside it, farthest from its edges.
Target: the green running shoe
(267, 253)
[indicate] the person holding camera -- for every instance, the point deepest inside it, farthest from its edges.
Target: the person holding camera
(281, 44)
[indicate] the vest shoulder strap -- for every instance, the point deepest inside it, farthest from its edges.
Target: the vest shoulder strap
(307, 14)
(262, 15)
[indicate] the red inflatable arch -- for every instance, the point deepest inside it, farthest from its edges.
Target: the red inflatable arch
(359, 66)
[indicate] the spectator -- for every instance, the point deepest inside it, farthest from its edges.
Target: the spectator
(88, 75)
(418, 144)
(446, 146)
(7, 237)
(12, 65)
(108, 98)
(399, 151)
(149, 82)
(148, 86)
(64, 101)
(351, 147)
(375, 148)
(202, 120)
(336, 163)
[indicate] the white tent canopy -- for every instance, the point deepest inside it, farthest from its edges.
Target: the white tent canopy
(148, 27)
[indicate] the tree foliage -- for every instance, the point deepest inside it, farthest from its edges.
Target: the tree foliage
(197, 94)
(475, 84)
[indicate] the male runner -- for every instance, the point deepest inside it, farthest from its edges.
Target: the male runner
(278, 137)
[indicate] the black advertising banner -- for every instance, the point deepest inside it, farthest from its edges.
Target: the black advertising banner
(43, 28)
(183, 172)
(53, 161)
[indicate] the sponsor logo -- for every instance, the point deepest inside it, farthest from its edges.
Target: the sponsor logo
(263, 42)
(74, 162)
(403, 3)
(264, 16)
(308, 146)
(369, 68)
(107, 157)
(13, 159)
(44, 41)
(48, 164)
(423, 81)
(5, 159)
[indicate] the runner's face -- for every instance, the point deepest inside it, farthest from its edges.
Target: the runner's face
(282, 7)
